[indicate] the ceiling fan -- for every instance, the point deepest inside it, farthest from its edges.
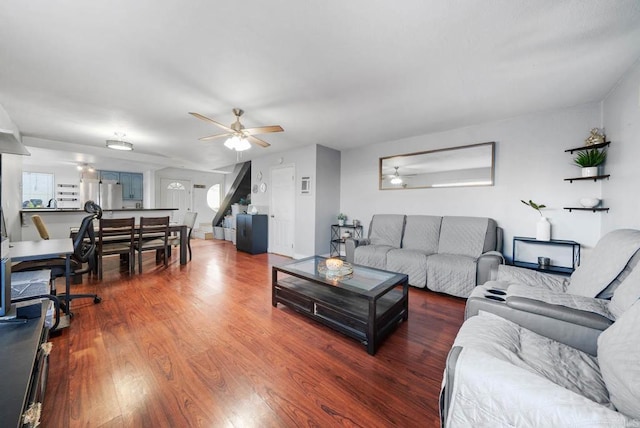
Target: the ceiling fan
(238, 136)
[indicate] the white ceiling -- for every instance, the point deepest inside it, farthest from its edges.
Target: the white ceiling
(334, 72)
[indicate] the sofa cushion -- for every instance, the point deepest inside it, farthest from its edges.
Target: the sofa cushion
(618, 356)
(608, 259)
(626, 294)
(610, 290)
(463, 236)
(561, 364)
(410, 262)
(387, 229)
(372, 255)
(422, 233)
(451, 274)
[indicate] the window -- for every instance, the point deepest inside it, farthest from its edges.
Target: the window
(213, 197)
(37, 189)
(175, 186)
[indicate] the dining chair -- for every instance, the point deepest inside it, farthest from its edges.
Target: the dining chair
(153, 235)
(190, 222)
(116, 236)
(42, 228)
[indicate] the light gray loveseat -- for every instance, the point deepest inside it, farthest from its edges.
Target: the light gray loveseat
(446, 254)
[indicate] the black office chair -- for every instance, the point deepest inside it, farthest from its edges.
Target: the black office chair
(84, 250)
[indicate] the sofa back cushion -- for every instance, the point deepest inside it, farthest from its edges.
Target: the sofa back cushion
(607, 260)
(386, 229)
(618, 356)
(466, 236)
(422, 233)
(626, 294)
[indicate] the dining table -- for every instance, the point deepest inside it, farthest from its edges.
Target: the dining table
(181, 229)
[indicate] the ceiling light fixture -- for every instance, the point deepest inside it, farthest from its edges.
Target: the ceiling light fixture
(86, 167)
(119, 143)
(238, 143)
(396, 177)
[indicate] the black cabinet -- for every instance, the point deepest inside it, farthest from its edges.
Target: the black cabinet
(251, 233)
(23, 368)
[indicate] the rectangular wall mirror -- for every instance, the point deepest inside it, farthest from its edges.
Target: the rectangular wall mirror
(471, 165)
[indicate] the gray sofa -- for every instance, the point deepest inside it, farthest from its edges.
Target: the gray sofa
(499, 374)
(446, 254)
(573, 310)
(562, 351)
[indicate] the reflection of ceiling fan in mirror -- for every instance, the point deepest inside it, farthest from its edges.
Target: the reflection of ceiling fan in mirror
(239, 137)
(396, 178)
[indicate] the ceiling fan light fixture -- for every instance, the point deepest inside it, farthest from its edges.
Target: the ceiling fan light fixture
(396, 177)
(243, 144)
(237, 143)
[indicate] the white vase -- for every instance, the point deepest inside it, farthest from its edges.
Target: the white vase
(543, 229)
(590, 171)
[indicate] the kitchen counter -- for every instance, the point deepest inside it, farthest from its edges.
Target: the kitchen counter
(67, 210)
(59, 221)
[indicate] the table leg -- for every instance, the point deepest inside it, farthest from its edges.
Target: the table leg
(67, 277)
(183, 245)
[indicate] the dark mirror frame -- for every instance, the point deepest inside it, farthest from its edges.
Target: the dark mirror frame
(462, 166)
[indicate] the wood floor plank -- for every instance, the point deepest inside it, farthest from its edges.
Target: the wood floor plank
(201, 345)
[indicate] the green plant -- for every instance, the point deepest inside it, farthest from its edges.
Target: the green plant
(589, 158)
(342, 216)
(533, 205)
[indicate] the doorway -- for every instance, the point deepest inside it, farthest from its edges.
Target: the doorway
(176, 194)
(282, 219)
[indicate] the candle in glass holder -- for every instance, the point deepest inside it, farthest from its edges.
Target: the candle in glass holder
(334, 264)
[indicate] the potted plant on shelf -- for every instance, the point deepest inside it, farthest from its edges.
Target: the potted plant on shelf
(543, 227)
(590, 161)
(341, 219)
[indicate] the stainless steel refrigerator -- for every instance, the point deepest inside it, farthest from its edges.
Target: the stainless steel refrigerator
(106, 193)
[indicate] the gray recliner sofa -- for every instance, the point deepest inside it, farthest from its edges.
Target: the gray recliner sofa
(446, 254)
(573, 310)
(499, 374)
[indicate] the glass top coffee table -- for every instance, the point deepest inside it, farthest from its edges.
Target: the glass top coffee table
(364, 303)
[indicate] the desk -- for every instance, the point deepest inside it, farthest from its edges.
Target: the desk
(46, 249)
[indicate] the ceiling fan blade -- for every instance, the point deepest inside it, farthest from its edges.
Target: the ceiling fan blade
(213, 137)
(262, 130)
(207, 119)
(258, 141)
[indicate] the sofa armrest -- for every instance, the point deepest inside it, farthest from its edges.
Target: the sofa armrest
(350, 245)
(559, 312)
(513, 274)
(568, 329)
(487, 263)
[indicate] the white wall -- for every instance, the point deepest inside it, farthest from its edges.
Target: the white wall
(11, 190)
(622, 127)
(199, 196)
(326, 191)
(304, 161)
(530, 164)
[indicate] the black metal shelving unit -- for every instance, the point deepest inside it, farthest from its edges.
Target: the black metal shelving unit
(337, 240)
(565, 270)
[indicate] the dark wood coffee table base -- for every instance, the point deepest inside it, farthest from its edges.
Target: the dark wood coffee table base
(367, 319)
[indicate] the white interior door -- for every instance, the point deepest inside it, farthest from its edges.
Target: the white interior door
(281, 224)
(176, 194)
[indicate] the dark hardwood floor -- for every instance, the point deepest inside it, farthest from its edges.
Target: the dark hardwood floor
(201, 345)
